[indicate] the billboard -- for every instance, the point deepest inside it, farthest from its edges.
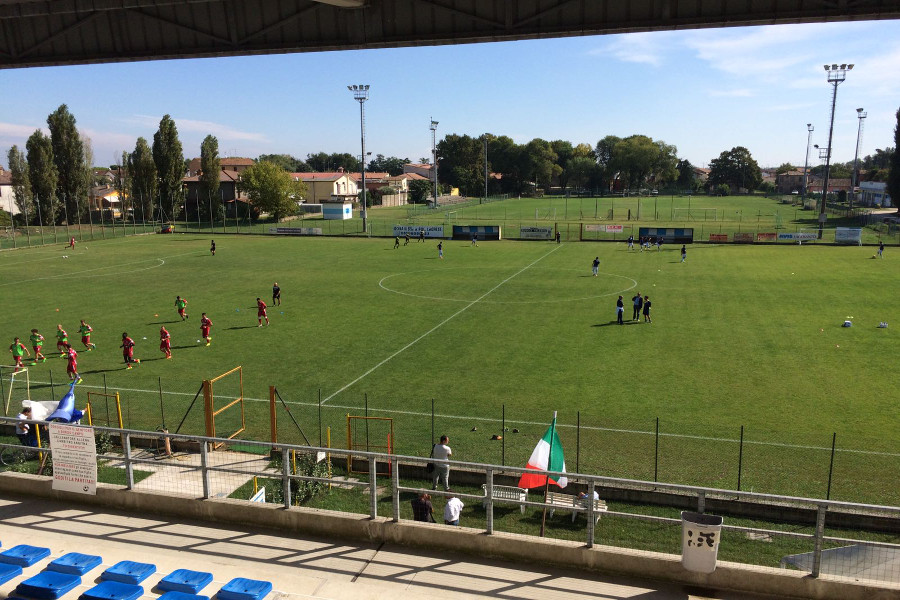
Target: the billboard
(296, 230)
(766, 237)
(848, 235)
(484, 232)
(614, 228)
(718, 237)
(798, 236)
(672, 235)
(743, 238)
(536, 233)
(431, 231)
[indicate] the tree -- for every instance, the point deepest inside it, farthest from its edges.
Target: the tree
(286, 162)
(564, 153)
(21, 187)
(271, 189)
(785, 168)
(87, 170)
(461, 163)
(68, 155)
(686, 180)
(169, 160)
(321, 162)
(210, 165)
(506, 159)
(392, 165)
(735, 167)
(893, 180)
(604, 154)
(579, 170)
(43, 176)
(540, 161)
(419, 189)
(880, 160)
(122, 182)
(142, 171)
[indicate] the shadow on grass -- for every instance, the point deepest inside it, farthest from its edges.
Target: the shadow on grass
(241, 327)
(613, 322)
(163, 322)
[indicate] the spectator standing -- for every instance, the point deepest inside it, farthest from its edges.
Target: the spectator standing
(881, 250)
(638, 302)
(595, 266)
(422, 508)
(647, 309)
(441, 472)
(620, 310)
(557, 236)
(452, 511)
(276, 294)
(683, 252)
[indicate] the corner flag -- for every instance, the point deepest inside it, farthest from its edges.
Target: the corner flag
(547, 456)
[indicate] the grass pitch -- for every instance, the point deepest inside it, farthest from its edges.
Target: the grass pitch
(741, 336)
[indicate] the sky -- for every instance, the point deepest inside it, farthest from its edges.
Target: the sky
(705, 91)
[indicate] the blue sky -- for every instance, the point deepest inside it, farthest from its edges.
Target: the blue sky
(704, 91)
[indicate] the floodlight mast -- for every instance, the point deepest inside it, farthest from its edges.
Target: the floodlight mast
(361, 94)
(809, 130)
(434, 166)
(861, 115)
(836, 74)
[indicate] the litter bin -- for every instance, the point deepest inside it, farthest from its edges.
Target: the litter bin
(700, 541)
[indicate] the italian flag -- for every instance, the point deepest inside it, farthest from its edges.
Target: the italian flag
(547, 456)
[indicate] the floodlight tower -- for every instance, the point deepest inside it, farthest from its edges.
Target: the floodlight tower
(836, 74)
(434, 166)
(861, 115)
(361, 94)
(809, 130)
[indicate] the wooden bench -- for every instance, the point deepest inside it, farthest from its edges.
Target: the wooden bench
(506, 493)
(557, 500)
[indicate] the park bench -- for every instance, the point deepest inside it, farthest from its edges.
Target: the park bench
(557, 500)
(506, 493)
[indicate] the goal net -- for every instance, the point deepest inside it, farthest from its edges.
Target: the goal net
(544, 214)
(15, 388)
(695, 214)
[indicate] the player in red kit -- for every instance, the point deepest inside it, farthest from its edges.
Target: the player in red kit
(71, 243)
(72, 366)
(128, 351)
(181, 305)
(261, 312)
(165, 342)
(19, 350)
(205, 324)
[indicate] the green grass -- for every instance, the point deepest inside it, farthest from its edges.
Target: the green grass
(742, 336)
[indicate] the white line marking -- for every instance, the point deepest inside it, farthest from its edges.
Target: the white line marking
(439, 325)
(508, 421)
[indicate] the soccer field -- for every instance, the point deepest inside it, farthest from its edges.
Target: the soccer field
(741, 336)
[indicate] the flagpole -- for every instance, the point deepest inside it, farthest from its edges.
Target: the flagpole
(549, 466)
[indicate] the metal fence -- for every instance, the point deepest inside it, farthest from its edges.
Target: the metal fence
(824, 538)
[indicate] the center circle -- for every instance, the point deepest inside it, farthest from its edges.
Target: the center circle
(494, 285)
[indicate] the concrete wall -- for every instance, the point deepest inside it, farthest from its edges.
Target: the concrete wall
(644, 565)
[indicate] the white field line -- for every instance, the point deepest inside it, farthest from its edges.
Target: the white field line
(439, 325)
(391, 411)
(72, 273)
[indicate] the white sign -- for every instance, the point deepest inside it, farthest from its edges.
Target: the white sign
(536, 233)
(614, 228)
(74, 458)
(800, 236)
(296, 230)
(595, 227)
(431, 231)
(848, 235)
(259, 496)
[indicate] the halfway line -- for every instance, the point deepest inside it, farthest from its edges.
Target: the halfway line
(439, 325)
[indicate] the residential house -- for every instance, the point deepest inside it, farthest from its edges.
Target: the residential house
(872, 193)
(701, 175)
(105, 197)
(423, 169)
(790, 182)
(328, 187)
(834, 185)
(229, 190)
(7, 200)
(374, 180)
(236, 164)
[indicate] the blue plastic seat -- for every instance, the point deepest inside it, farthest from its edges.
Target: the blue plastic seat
(75, 563)
(48, 585)
(244, 589)
(24, 555)
(128, 571)
(182, 596)
(113, 590)
(185, 580)
(7, 572)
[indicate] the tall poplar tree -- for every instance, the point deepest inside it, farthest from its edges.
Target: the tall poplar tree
(210, 165)
(21, 187)
(893, 180)
(169, 160)
(68, 154)
(43, 176)
(141, 171)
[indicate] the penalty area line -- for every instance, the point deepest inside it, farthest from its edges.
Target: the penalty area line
(439, 325)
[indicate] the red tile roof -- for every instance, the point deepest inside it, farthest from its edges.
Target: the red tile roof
(317, 176)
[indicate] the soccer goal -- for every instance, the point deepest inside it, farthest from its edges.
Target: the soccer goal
(695, 214)
(369, 434)
(15, 387)
(227, 390)
(546, 214)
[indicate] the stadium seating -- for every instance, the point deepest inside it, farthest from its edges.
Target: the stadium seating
(48, 585)
(7, 572)
(128, 572)
(244, 589)
(24, 555)
(182, 596)
(75, 563)
(113, 590)
(184, 580)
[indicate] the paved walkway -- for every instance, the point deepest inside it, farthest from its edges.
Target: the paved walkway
(299, 567)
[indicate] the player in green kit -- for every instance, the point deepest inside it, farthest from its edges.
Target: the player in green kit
(37, 342)
(85, 331)
(62, 338)
(18, 350)
(181, 304)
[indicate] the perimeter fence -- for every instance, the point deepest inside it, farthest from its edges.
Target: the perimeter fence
(827, 539)
(787, 461)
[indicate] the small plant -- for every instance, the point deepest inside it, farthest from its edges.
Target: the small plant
(301, 490)
(104, 443)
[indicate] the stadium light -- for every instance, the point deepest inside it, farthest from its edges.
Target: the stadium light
(434, 166)
(861, 115)
(835, 76)
(361, 94)
(809, 130)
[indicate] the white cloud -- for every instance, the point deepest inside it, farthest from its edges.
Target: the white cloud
(15, 130)
(758, 51)
(644, 48)
(225, 133)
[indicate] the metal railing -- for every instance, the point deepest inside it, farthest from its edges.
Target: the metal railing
(212, 469)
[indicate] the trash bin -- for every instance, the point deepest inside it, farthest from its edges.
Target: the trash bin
(700, 541)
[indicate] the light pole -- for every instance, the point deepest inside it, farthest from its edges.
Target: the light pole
(860, 114)
(434, 166)
(361, 94)
(836, 74)
(809, 130)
